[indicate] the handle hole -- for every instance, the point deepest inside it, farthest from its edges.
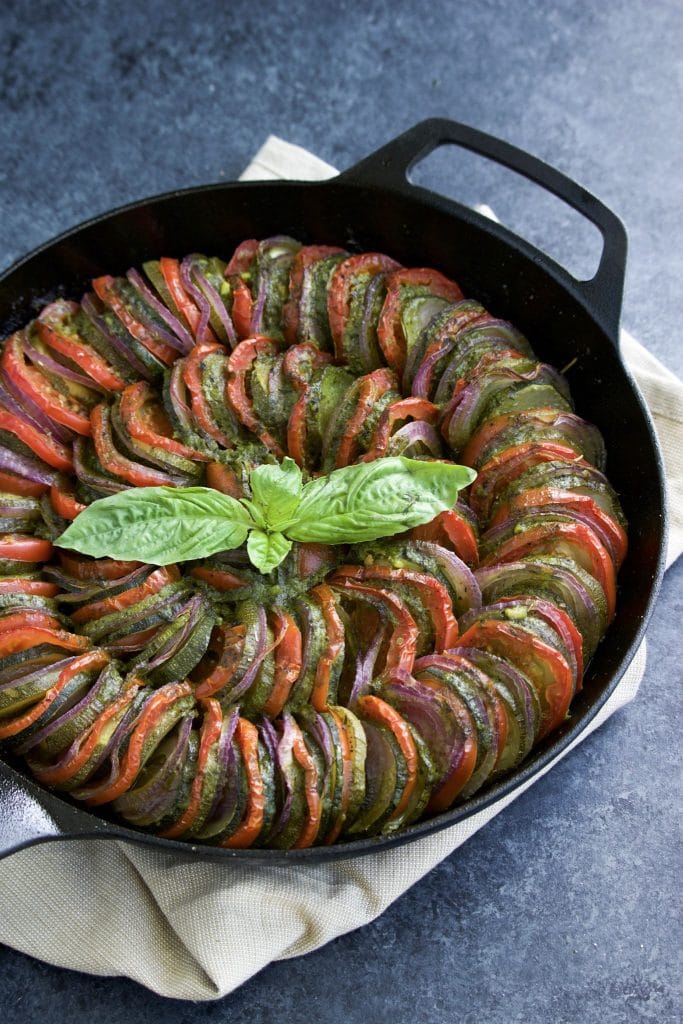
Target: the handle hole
(524, 207)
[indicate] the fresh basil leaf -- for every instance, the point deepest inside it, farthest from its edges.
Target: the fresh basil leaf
(159, 525)
(376, 499)
(267, 550)
(276, 490)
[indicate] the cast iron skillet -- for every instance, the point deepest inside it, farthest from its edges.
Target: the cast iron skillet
(373, 206)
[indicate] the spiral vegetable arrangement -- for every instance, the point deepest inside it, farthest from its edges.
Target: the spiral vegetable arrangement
(349, 689)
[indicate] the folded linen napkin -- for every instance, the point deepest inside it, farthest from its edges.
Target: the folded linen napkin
(197, 931)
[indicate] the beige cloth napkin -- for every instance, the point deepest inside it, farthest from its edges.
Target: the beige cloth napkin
(197, 931)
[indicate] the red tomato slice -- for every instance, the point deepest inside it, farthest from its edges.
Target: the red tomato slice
(307, 256)
(145, 420)
(65, 503)
(37, 386)
(192, 375)
(239, 365)
(11, 484)
(152, 585)
(209, 736)
(23, 586)
(41, 443)
(250, 827)
(324, 596)
(377, 710)
(399, 412)
(340, 290)
(390, 332)
(170, 270)
(288, 660)
(507, 465)
(224, 479)
(117, 464)
(451, 530)
(106, 291)
(51, 328)
(85, 568)
(24, 547)
(372, 387)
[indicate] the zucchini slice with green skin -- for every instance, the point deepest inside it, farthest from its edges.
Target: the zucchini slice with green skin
(304, 314)
(554, 425)
(482, 339)
(414, 296)
(428, 355)
(342, 441)
(355, 296)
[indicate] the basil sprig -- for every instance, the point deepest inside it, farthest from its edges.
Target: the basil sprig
(162, 525)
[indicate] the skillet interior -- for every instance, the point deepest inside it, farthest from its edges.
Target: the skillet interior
(510, 278)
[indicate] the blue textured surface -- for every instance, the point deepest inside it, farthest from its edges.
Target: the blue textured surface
(567, 907)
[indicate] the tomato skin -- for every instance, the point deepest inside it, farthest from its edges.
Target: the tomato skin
(389, 330)
(50, 328)
(239, 364)
(451, 530)
(340, 289)
(65, 503)
(209, 736)
(372, 387)
(403, 409)
(57, 455)
(133, 473)
(224, 479)
(105, 289)
(23, 586)
(288, 660)
(25, 547)
(250, 827)
(145, 420)
(192, 376)
(11, 484)
(378, 710)
(91, 569)
(36, 386)
(324, 596)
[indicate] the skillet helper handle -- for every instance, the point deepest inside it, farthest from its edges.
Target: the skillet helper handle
(390, 166)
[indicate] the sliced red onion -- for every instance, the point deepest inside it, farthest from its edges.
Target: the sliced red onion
(180, 338)
(27, 409)
(11, 681)
(366, 348)
(417, 432)
(192, 609)
(30, 469)
(227, 788)
(92, 311)
(58, 369)
(152, 801)
(365, 667)
(238, 689)
(178, 396)
(467, 593)
(200, 299)
(203, 292)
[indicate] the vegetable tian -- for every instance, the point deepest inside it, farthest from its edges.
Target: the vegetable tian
(241, 600)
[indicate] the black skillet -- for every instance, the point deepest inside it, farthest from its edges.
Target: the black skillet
(373, 206)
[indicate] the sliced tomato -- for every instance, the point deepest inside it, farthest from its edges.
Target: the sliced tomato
(542, 498)
(24, 547)
(219, 579)
(209, 735)
(377, 710)
(288, 660)
(224, 479)
(371, 387)
(155, 582)
(23, 638)
(304, 758)
(305, 258)
(27, 618)
(55, 328)
(250, 827)
(64, 502)
(299, 362)
(53, 452)
(146, 722)
(545, 666)
(572, 540)
(192, 375)
(340, 290)
(239, 364)
(107, 292)
(222, 660)
(19, 585)
(145, 420)
(451, 530)
(85, 568)
(433, 595)
(402, 644)
(38, 388)
(170, 270)
(117, 464)
(508, 464)
(11, 484)
(324, 595)
(399, 412)
(390, 329)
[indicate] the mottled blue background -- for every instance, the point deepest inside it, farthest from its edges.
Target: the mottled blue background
(567, 907)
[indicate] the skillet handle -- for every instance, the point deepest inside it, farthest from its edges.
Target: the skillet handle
(390, 166)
